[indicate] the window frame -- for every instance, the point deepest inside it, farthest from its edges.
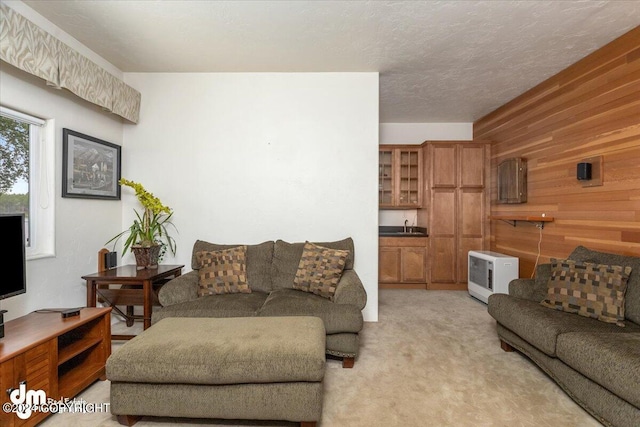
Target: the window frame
(41, 183)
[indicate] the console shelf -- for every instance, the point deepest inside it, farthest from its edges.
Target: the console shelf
(78, 378)
(513, 219)
(76, 348)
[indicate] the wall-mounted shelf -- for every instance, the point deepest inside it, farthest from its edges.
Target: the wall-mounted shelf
(513, 219)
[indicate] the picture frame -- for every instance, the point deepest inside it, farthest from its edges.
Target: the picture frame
(91, 167)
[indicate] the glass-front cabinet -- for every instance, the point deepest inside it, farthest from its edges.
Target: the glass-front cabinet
(400, 177)
(385, 178)
(410, 172)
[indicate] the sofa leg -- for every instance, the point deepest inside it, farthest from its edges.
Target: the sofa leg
(506, 347)
(348, 362)
(128, 420)
(307, 424)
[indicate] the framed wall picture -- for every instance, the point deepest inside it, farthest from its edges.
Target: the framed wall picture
(90, 167)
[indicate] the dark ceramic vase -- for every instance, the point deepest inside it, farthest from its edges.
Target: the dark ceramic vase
(146, 257)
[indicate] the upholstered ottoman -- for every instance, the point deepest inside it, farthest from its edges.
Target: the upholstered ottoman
(267, 368)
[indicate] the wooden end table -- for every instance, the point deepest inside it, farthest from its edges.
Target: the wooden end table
(130, 275)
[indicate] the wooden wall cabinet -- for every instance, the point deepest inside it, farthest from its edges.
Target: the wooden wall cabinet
(59, 356)
(400, 177)
(457, 211)
(403, 262)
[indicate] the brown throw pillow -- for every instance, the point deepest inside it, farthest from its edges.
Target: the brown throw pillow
(319, 270)
(588, 289)
(223, 272)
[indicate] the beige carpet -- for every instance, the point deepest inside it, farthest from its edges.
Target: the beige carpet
(433, 359)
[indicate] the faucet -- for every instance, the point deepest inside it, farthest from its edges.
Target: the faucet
(405, 225)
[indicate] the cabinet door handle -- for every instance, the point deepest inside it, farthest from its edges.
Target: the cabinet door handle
(10, 389)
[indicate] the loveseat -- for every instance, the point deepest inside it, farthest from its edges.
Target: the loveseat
(596, 363)
(270, 271)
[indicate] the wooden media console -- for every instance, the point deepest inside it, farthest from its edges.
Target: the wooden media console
(61, 356)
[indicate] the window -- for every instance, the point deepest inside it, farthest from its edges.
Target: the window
(26, 177)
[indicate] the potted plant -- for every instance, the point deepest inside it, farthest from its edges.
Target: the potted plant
(148, 235)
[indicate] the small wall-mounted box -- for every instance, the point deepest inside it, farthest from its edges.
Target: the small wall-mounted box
(584, 171)
(590, 172)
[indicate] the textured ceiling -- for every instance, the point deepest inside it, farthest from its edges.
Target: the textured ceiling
(439, 61)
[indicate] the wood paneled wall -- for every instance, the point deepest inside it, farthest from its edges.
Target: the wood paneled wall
(590, 109)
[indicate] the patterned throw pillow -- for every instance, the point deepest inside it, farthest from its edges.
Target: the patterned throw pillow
(319, 270)
(588, 289)
(223, 272)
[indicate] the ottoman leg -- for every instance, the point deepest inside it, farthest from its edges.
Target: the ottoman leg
(128, 420)
(307, 424)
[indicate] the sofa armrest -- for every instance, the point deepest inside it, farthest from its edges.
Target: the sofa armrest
(532, 289)
(522, 288)
(181, 289)
(350, 290)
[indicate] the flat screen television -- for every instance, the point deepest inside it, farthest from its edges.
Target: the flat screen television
(13, 243)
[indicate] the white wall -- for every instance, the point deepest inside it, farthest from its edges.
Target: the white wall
(398, 216)
(82, 226)
(417, 133)
(249, 157)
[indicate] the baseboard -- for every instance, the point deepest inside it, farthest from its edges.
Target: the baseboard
(447, 286)
(402, 286)
(427, 286)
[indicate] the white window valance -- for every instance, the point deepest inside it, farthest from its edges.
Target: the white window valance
(84, 78)
(126, 101)
(29, 48)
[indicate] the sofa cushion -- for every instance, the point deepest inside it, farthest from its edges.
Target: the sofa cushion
(540, 326)
(229, 305)
(590, 290)
(632, 297)
(609, 359)
(258, 262)
(223, 272)
(319, 270)
(337, 318)
(286, 257)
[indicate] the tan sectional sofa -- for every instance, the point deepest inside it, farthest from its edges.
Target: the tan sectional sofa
(597, 364)
(271, 269)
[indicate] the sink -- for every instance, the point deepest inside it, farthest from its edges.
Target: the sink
(394, 233)
(401, 233)
(398, 231)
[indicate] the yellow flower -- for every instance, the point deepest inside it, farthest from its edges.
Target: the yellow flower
(146, 199)
(150, 228)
